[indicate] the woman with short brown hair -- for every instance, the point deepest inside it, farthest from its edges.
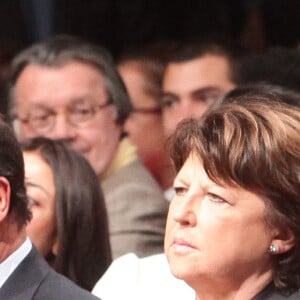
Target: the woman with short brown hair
(233, 229)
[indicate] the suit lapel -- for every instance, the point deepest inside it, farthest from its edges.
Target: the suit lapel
(25, 280)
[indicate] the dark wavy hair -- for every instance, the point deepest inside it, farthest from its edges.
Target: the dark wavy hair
(12, 168)
(253, 143)
(81, 219)
(151, 60)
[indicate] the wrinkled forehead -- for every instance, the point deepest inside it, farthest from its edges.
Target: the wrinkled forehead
(43, 85)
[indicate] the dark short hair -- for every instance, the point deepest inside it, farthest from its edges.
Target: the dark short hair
(253, 143)
(191, 49)
(151, 58)
(60, 50)
(12, 168)
(277, 66)
(81, 219)
(250, 91)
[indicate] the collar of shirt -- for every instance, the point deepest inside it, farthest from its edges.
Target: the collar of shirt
(169, 194)
(126, 154)
(12, 262)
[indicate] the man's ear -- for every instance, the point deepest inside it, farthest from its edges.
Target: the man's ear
(4, 198)
(284, 239)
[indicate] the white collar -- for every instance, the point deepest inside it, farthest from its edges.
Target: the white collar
(12, 262)
(169, 194)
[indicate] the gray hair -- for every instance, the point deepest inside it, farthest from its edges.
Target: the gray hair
(60, 50)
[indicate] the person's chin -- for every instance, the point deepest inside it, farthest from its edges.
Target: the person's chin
(179, 269)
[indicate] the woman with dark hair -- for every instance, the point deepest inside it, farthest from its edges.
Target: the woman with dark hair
(69, 225)
(233, 228)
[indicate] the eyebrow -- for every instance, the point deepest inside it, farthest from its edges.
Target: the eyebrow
(206, 89)
(42, 103)
(179, 180)
(168, 94)
(35, 185)
(35, 105)
(203, 90)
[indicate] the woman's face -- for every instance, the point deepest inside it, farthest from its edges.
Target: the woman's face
(41, 192)
(216, 233)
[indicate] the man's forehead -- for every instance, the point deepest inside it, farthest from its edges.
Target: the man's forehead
(204, 62)
(46, 103)
(201, 72)
(40, 85)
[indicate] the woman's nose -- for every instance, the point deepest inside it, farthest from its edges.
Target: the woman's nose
(185, 211)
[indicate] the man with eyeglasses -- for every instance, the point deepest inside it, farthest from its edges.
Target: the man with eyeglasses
(68, 89)
(141, 68)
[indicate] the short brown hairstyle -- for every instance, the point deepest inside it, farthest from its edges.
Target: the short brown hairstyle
(254, 144)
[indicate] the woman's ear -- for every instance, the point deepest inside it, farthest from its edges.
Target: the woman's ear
(284, 239)
(4, 198)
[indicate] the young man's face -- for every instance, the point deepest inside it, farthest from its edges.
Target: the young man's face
(190, 87)
(68, 93)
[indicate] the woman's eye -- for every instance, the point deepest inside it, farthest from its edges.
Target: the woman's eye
(32, 202)
(180, 191)
(216, 198)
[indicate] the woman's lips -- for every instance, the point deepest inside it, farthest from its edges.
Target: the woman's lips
(181, 246)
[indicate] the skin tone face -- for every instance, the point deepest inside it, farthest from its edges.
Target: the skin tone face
(41, 193)
(57, 90)
(217, 238)
(189, 88)
(12, 236)
(145, 130)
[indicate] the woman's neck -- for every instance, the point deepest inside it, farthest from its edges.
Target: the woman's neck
(227, 290)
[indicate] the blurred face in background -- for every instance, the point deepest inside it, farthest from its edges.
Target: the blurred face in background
(144, 125)
(191, 87)
(41, 193)
(69, 103)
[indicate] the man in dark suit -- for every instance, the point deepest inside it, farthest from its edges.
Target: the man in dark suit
(24, 275)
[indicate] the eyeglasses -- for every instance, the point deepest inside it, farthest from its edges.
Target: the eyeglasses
(42, 119)
(147, 110)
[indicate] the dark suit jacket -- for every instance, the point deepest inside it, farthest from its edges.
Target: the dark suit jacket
(34, 279)
(271, 293)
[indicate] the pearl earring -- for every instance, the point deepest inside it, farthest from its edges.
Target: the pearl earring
(272, 249)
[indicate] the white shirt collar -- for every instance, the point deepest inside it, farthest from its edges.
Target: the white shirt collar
(11, 262)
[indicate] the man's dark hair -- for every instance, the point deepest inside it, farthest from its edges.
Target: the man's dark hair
(12, 168)
(62, 49)
(249, 91)
(151, 59)
(191, 49)
(277, 66)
